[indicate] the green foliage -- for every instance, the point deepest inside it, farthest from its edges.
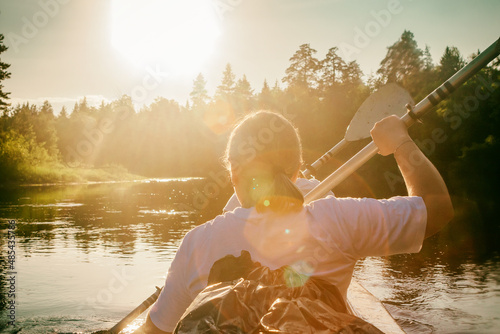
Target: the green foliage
(18, 154)
(3, 75)
(450, 63)
(402, 63)
(199, 94)
(303, 73)
(227, 86)
(333, 69)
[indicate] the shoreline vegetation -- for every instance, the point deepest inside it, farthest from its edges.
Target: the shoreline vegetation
(58, 174)
(114, 140)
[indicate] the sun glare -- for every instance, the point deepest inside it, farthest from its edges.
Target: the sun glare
(177, 35)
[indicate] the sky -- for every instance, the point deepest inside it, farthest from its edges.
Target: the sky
(63, 50)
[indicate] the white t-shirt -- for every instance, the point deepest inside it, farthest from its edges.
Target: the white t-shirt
(305, 186)
(325, 239)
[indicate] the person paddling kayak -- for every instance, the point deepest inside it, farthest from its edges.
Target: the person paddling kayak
(322, 239)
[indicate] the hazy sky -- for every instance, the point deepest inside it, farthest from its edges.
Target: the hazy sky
(62, 50)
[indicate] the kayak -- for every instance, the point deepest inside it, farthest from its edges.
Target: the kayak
(361, 303)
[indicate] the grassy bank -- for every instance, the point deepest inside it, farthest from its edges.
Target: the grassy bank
(60, 173)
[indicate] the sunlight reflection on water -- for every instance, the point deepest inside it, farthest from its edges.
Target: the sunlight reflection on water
(89, 254)
(441, 299)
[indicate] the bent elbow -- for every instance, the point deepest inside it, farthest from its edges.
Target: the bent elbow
(440, 213)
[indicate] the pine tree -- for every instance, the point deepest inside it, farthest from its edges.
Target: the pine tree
(243, 89)
(4, 96)
(199, 96)
(428, 63)
(265, 88)
(303, 70)
(450, 63)
(403, 61)
(276, 88)
(332, 68)
(277, 93)
(351, 74)
(243, 100)
(76, 109)
(44, 126)
(226, 89)
(63, 114)
(265, 97)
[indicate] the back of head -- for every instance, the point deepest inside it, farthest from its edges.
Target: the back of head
(265, 153)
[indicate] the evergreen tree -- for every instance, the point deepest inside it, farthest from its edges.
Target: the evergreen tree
(199, 95)
(265, 97)
(3, 75)
(83, 106)
(428, 63)
(243, 97)
(75, 110)
(427, 80)
(265, 88)
(403, 62)
(303, 72)
(226, 89)
(243, 89)
(450, 63)
(63, 113)
(351, 74)
(332, 68)
(276, 88)
(44, 126)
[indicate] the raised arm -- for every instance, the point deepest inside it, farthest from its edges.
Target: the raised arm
(421, 177)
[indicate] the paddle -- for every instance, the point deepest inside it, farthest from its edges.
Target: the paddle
(388, 100)
(133, 315)
(409, 118)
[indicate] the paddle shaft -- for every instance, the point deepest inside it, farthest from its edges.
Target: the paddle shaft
(418, 111)
(135, 313)
(324, 158)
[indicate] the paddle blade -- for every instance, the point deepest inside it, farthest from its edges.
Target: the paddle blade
(390, 99)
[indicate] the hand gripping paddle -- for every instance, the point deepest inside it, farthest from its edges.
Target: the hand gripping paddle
(390, 99)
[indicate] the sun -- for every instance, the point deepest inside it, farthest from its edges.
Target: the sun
(177, 35)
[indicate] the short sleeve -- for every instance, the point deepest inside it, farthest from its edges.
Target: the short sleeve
(174, 298)
(370, 227)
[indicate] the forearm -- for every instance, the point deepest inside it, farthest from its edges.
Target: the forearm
(424, 180)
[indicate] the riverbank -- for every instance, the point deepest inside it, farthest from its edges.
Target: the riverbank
(57, 173)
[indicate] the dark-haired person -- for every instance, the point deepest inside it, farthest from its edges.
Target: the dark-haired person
(324, 238)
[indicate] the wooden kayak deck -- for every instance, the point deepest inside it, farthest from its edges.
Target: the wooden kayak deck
(363, 304)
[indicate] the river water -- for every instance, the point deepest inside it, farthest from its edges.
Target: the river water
(86, 255)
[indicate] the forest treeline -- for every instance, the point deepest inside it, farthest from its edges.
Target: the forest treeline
(167, 139)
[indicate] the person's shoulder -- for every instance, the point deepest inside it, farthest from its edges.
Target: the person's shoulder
(230, 218)
(321, 204)
(339, 206)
